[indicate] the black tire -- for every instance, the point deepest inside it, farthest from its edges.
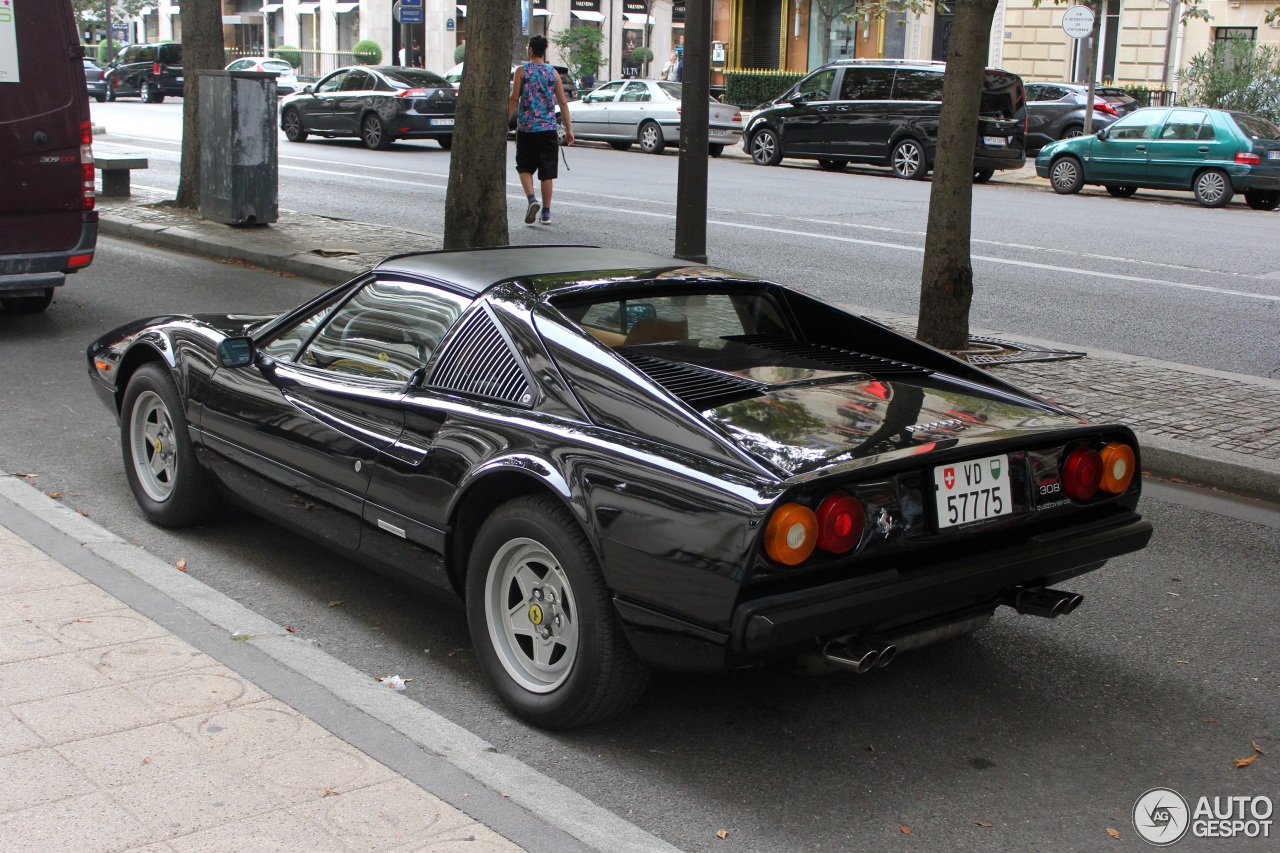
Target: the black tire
(159, 461)
(1066, 175)
(542, 620)
(981, 176)
(150, 94)
(561, 134)
(715, 149)
(28, 304)
(766, 147)
(1072, 131)
(293, 128)
(111, 93)
(1212, 188)
(651, 139)
(1262, 199)
(907, 160)
(445, 142)
(100, 97)
(621, 144)
(373, 133)
(1121, 191)
(833, 165)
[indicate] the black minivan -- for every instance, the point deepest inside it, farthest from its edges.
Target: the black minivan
(48, 224)
(885, 112)
(147, 71)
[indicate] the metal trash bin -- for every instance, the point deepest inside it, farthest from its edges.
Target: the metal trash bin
(239, 168)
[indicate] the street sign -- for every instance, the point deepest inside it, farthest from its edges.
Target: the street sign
(406, 4)
(410, 16)
(1077, 22)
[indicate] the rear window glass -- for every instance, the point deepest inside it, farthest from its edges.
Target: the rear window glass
(171, 54)
(1255, 127)
(704, 319)
(277, 65)
(416, 78)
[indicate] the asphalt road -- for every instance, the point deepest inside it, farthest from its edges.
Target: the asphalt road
(1047, 731)
(1156, 275)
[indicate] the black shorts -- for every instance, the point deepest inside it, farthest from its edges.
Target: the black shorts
(538, 153)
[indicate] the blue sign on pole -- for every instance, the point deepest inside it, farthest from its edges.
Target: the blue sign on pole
(405, 4)
(410, 16)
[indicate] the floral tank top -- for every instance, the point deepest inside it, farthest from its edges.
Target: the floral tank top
(536, 109)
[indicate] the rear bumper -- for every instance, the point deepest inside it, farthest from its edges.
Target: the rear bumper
(35, 271)
(1252, 180)
(422, 126)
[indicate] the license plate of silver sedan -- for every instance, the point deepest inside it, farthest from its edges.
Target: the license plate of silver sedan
(619, 463)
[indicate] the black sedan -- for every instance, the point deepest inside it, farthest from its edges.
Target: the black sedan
(95, 78)
(621, 462)
(378, 104)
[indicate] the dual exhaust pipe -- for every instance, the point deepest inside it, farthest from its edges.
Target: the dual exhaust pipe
(857, 655)
(1047, 603)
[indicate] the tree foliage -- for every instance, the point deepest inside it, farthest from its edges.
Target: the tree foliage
(1237, 75)
(367, 52)
(95, 11)
(581, 48)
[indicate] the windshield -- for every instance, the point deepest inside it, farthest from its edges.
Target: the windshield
(1255, 127)
(415, 78)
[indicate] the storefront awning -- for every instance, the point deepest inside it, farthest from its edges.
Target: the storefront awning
(307, 9)
(462, 10)
(597, 17)
(244, 19)
(343, 8)
(636, 18)
(268, 8)
(541, 13)
(172, 10)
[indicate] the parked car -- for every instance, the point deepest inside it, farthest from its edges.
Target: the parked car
(884, 113)
(48, 224)
(286, 77)
(146, 71)
(624, 112)
(378, 104)
(1057, 110)
(454, 76)
(620, 462)
(1213, 153)
(95, 79)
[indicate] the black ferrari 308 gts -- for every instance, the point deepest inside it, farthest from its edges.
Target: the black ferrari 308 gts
(621, 462)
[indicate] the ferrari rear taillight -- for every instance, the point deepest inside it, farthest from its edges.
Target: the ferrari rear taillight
(791, 534)
(86, 164)
(1248, 158)
(841, 521)
(1082, 473)
(1118, 467)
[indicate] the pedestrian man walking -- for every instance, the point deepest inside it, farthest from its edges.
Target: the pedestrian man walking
(535, 91)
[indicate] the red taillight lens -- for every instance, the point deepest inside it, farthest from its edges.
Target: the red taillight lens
(1118, 467)
(79, 260)
(841, 520)
(1248, 158)
(411, 93)
(155, 69)
(791, 534)
(86, 164)
(1082, 473)
(737, 118)
(1104, 107)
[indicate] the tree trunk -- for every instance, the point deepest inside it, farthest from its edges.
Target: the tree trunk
(475, 207)
(201, 51)
(946, 284)
(519, 41)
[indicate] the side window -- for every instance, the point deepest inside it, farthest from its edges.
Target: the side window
(286, 344)
(1183, 124)
(239, 65)
(818, 86)
(635, 92)
(867, 84)
(332, 83)
(911, 85)
(357, 81)
(1036, 92)
(387, 330)
(606, 92)
(1139, 125)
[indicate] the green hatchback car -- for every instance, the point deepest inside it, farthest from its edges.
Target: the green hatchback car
(1212, 153)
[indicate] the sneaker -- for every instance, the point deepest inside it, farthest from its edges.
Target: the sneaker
(546, 218)
(531, 215)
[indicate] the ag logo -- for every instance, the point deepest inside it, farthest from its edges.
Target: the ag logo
(949, 477)
(1161, 816)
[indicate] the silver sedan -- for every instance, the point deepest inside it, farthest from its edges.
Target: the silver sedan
(624, 112)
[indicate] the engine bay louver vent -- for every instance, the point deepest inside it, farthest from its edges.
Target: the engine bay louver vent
(479, 361)
(700, 387)
(837, 357)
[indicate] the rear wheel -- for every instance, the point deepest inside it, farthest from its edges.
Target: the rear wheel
(150, 94)
(293, 129)
(833, 165)
(159, 461)
(373, 133)
(1213, 188)
(715, 149)
(981, 176)
(766, 148)
(651, 138)
(907, 160)
(28, 304)
(446, 142)
(100, 97)
(542, 620)
(1072, 132)
(1121, 191)
(1262, 199)
(621, 144)
(1066, 175)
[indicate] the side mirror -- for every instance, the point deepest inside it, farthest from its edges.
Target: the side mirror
(1103, 134)
(236, 352)
(798, 99)
(307, 89)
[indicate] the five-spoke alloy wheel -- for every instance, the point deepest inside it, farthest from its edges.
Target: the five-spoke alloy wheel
(907, 160)
(293, 129)
(766, 148)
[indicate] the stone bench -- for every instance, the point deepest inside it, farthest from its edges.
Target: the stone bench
(115, 170)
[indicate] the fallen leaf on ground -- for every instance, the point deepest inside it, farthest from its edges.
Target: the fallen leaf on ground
(287, 274)
(1257, 748)
(505, 795)
(871, 747)
(1208, 720)
(1114, 833)
(336, 603)
(22, 475)
(722, 834)
(54, 494)
(82, 512)
(290, 628)
(395, 682)
(1183, 661)
(1242, 763)
(983, 823)
(904, 829)
(145, 760)
(182, 564)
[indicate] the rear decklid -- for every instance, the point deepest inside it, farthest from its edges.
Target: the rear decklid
(43, 106)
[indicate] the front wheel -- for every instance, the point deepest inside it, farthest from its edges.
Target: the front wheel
(1066, 175)
(1262, 199)
(293, 129)
(907, 160)
(1121, 191)
(28, 304)
(159, 461)
(1213, 188)
(981, 176)
(766, 148)
(1073, 132)
(446, 142)
(542, 620)
(651, 138)
(373, 133)
(621, 144)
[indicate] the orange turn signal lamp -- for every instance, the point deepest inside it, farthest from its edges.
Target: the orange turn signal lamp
(794, 531)
(1085, 472)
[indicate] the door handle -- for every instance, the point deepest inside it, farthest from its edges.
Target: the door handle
(1139, 148)
(1203, 148)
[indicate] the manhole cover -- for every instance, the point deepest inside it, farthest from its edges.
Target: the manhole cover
(985, 351)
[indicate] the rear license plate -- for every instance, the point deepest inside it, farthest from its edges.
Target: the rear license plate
(971, 491)
(446, 122)
(998, 141)
(1273, 155)
(178, 80)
